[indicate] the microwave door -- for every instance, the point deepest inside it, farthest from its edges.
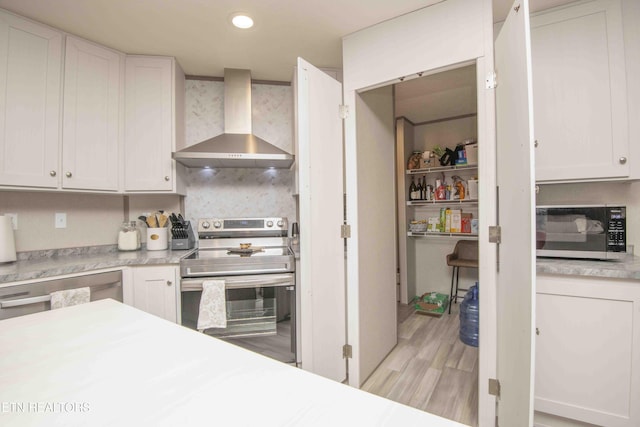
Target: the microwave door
(579, 232)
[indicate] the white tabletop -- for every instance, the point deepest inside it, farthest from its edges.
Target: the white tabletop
(106, 363)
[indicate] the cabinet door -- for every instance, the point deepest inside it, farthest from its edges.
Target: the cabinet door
(155, 291)
(30, 84)
(580, 104)
(587, 350)
(91, 116)
(148, 124)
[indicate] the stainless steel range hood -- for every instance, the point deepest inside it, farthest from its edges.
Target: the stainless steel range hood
(237, 147)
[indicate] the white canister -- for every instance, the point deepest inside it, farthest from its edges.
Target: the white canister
(7, 240)
(157, 239)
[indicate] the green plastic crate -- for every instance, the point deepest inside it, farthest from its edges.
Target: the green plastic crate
(432, 303)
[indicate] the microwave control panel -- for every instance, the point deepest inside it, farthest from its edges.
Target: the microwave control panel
(616, 238)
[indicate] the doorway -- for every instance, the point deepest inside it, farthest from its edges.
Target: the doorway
(430, 368)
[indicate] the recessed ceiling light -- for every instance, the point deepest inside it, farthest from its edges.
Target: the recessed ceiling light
(242, 21)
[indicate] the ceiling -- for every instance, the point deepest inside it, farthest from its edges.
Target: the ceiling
(437, 96)
(199, 35)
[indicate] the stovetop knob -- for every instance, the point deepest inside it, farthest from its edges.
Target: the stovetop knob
(205, 224)
(269, 223)
(217, 224)
(280, 223)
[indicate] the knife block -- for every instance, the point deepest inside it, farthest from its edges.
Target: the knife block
(183, 238)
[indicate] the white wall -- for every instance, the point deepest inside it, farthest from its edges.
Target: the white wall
(92, 219)
(445, 134)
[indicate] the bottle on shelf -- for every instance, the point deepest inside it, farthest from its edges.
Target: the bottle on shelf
(413, 190)
(425, 189)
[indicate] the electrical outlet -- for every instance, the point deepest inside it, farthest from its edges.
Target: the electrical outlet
(14, 219)
(61, 220)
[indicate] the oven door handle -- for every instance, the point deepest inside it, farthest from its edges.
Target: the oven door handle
(241, 282)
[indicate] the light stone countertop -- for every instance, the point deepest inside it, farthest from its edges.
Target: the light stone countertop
(108, 364)
(45, 264)
(628, 268)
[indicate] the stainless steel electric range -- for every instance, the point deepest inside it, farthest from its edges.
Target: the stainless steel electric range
(252, 256)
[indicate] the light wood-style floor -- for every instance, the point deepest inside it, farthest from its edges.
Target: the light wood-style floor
(430, 368)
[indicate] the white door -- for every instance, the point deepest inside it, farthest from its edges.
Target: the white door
(322, 255)
(91, 116)
(30, 84)
(371, 211)
(148, 123)
(155, 291)
(516, 203)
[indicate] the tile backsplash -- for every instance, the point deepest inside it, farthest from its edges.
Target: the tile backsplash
(240, 192)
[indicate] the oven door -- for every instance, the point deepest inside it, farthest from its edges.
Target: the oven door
(260, 312)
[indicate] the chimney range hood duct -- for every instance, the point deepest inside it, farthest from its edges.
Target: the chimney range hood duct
(237, 147)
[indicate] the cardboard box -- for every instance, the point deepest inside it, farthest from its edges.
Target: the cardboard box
(456, 221)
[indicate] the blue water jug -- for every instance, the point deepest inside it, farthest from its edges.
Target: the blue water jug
(470, 317)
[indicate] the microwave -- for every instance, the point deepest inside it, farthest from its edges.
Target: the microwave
(586, 231)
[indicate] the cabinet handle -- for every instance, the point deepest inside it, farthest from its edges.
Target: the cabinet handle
(169, 283)
(537, 331)
(623, 160)
(68, 174)
(166, 178)
(535, 143)
(52, 173)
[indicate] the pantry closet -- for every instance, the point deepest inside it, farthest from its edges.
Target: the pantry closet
(435, 114)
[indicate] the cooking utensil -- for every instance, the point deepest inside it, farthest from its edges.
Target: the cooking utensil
(152, 221)
(162, 220)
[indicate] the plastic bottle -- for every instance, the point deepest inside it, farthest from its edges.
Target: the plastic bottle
(469, 317)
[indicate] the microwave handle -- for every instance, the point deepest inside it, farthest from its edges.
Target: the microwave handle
(24, 301)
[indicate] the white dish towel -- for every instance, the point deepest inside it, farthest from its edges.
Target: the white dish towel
(213, 305)
(60, 299)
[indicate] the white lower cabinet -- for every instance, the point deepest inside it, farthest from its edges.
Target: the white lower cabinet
(588, 350)
(155, 290)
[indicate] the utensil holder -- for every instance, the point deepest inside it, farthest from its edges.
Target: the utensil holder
(157, 239)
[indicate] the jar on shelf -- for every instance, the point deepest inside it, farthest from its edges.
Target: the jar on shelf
(129, 236)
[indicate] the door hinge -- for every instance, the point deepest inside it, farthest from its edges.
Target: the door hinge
(347, 351)
(495, 233)
(491, 81)
(344, 111)
(345, 231)
(494, 387)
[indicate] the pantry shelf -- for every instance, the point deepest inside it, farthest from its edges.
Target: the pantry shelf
(468, 202)
(438, 235)
(441, 169)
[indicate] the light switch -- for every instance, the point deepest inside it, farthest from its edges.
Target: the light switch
(14, 219)
(61, 220)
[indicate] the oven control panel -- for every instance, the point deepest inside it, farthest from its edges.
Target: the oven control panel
(211, 228)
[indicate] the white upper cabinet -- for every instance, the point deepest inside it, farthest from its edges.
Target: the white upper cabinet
(580, 93)
(92, 96)
(154, 123)
(30, 86)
